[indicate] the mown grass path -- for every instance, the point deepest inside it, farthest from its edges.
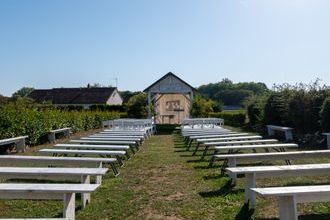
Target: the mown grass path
(164, 181)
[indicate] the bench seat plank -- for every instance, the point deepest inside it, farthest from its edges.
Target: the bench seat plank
(289, 196)
(84, 146)
(103, 142)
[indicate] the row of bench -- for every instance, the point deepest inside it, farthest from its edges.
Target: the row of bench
(105, 148)
(222, 140)
(19, 142)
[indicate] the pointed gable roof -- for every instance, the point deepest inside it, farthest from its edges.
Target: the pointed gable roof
(173, 76)
(73, 95)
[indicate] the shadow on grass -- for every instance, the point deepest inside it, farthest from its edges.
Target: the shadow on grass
(206, 167)
(223, 191)
(245, 213)
(213, 176)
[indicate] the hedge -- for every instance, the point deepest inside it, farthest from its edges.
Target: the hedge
(236, 119)
(17, 120)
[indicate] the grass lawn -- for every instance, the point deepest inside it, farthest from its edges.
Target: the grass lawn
(163, 181)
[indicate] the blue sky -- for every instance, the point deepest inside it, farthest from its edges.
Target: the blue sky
(69, 43)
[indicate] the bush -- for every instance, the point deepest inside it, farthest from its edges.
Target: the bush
(18, 119)
(137, 106)
(231, 119)
(255, 111)
(201, 107)
(114, 108)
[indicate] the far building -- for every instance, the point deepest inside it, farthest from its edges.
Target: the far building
(84, 97)
(172, 99)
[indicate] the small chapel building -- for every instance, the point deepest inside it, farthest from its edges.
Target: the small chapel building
(171, 99)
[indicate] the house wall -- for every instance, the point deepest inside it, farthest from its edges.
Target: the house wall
(115, 99)
(171, 108)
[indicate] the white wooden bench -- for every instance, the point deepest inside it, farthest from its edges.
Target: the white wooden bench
(233, 159)
(191, 139)
(52, 133)
(118, 135)
(288, 131)
(255, 172)
(132, 144)
(95, 147)
(136, 140)
(65, 192)
(107, 153)
(18, 141)
(90, 162)
(236, 148)
(288, 197)
(83, 174)
(207, 145)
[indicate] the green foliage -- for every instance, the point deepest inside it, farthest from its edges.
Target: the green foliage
(255, 107)
(126, 95)
(20, 118)
(201, 107)
(137, 106)
(23, 92)
(325, 115)
(276, 109)
(235, 119)
(117, 108)
(295, 106)
(232, 93)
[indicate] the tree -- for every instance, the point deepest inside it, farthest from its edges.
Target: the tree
(23, 92)
(201, 107)
(137, 106)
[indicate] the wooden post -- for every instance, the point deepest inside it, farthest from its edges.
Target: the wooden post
(98, 179)
(20, 145)
(51, 137)
(250, 182)
(287, 207)
(232, 163)
(149, 104)
(86, 197)
(69, 200)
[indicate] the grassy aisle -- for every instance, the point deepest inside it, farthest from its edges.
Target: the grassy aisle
(163, 181)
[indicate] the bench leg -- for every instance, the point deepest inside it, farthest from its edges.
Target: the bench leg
(232, 163)
(196, 149)
(250, 182)
(288, 135)
(114, 169)
(98, 179)
(69, 200)
(51, 137)
(213, 158)
(189, 144)
(205, 152)
(85, 197)
(271, 132)
(287, 208)
(119, 160)
(20, 146)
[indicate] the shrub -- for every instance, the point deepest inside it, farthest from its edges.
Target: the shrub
(17, 119)
(231, 119)
(137, 106)
(201, 107)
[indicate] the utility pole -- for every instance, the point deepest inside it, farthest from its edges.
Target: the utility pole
(116, 80)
